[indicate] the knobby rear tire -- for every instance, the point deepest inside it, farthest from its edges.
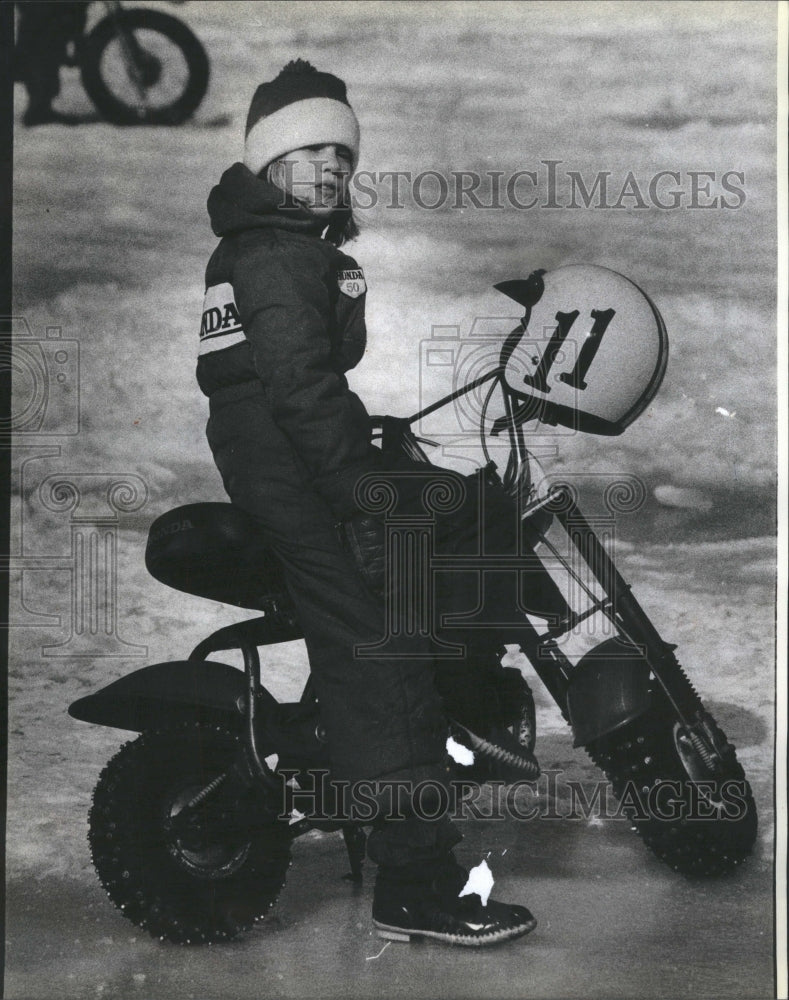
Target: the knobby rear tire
(209, 889)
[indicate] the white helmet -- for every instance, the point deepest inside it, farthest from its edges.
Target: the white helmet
(591, 351)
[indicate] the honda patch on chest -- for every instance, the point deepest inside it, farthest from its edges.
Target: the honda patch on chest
(352, 282)
(221, 324)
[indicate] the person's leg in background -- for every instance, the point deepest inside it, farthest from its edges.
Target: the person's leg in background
(45, 29)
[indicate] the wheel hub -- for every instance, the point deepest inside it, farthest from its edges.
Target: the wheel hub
(147, 70)
(205, 840)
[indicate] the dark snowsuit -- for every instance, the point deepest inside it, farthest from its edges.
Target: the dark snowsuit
(284, 321)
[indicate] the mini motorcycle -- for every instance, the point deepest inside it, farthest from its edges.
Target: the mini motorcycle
(141, 67)
(191, 822)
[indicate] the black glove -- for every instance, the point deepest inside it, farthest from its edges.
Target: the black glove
(364, 536)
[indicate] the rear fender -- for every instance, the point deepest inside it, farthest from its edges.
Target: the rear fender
(166, 694)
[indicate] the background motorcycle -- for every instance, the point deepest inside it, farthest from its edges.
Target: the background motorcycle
(141, 67)
(191, 822)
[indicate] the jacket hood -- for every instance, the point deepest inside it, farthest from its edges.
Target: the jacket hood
(241, 201)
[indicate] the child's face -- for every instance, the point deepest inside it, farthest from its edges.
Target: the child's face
(315, 176)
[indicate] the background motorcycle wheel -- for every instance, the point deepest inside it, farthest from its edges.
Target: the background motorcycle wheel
(205, 887)
(170, 62)
(698, 822)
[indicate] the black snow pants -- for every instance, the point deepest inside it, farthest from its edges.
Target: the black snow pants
(384, 717)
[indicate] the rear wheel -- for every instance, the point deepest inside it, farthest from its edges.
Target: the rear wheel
(696, 814)
(205, 881)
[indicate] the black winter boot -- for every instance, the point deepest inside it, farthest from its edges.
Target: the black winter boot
(410, 904)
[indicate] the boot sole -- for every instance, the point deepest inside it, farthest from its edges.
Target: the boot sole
(405, 934)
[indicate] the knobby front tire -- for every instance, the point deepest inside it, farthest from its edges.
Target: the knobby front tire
(698, 822)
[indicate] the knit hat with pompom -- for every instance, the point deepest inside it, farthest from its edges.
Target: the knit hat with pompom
(300, 107)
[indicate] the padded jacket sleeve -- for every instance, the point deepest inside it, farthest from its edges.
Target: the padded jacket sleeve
(283, 298)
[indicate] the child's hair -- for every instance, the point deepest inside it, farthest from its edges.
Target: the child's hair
(342, 228)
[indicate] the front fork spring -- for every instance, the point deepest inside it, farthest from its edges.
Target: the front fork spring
(710, 759)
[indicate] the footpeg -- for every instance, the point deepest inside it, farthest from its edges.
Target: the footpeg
(356, 845)
(509, 759)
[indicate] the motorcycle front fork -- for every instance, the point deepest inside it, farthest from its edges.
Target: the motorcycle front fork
(616, 602)
(143, 67)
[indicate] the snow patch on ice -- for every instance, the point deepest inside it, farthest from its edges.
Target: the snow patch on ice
(459, 753)
(480, 880)
(683, 498)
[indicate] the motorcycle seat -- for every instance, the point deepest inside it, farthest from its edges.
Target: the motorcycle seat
(217, 551)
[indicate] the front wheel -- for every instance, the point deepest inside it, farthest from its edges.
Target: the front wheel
(204, 883)
(144, 67)
(700, 819)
